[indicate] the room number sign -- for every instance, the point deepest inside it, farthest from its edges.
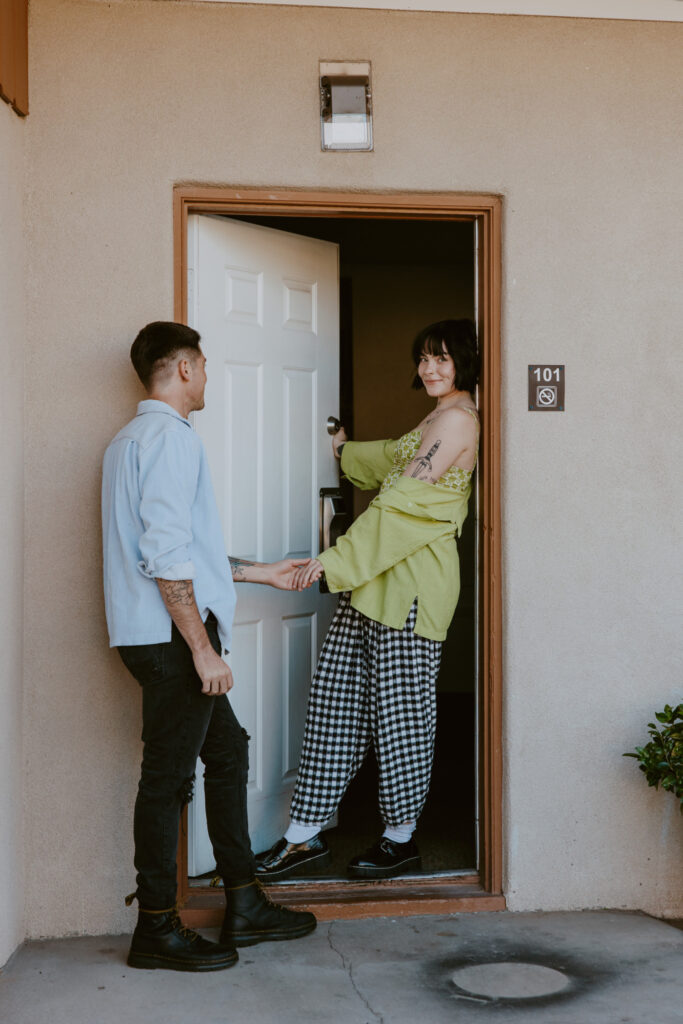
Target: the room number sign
(546, 388)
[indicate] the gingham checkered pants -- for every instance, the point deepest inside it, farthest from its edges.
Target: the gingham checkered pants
(373, 684)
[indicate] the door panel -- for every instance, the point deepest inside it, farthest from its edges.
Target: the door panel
(299, 651)
(298, 461)
(266, 303)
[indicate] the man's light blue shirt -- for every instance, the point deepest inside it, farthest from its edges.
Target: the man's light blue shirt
(160, 521)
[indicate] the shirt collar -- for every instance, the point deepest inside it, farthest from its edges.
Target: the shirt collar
(154, 405)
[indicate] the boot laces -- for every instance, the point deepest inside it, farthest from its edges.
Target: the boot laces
(182, 929)
(266, 897)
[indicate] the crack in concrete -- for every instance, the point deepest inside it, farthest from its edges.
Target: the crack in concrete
(348, 967)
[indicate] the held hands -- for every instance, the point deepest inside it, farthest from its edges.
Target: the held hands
(215, 675)
(338, 439)
(308, 574)
(286, 574)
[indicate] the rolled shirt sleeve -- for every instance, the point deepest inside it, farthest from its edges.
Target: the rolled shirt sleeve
(366, 463)
(168, 475)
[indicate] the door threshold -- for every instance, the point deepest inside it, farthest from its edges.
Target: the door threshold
(330, 900)
(416, 878)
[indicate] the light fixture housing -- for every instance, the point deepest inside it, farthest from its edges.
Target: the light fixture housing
(345, 106)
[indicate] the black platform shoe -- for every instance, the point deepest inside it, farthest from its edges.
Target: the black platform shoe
(386, 859)
(286, 859)
(252, 917)
(161, 940)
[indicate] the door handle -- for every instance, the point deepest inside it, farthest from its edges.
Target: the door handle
(333, 425)
(334, 521)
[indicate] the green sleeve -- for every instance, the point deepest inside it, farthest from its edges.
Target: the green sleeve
(366, 463)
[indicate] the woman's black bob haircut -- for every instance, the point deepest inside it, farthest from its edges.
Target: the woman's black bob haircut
(459, 338)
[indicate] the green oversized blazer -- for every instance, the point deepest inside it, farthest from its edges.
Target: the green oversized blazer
(402, 547)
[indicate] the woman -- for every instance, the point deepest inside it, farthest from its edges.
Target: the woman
(398, 569)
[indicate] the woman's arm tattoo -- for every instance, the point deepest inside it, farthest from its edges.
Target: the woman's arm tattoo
(423, 464)
(177, 591)
(238, 567)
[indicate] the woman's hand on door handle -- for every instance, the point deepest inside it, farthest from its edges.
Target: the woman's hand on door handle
(338, 440)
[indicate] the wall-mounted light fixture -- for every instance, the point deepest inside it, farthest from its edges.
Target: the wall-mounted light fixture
(345, 105)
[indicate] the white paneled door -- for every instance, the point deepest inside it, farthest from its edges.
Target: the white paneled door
(266, 304)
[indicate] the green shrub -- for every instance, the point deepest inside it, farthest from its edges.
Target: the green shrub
(661, 760)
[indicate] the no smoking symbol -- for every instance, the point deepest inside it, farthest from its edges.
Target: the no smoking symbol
(546, 387)
(546, 395)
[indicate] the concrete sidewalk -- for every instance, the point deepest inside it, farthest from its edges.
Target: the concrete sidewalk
(599, 967)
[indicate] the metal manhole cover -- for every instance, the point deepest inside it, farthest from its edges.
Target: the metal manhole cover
(509, 980)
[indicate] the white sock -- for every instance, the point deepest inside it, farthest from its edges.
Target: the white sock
(297, 833)
(399, 833)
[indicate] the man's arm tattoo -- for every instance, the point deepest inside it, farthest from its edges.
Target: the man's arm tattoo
(423, 465)
(177, 591)
(238, 567)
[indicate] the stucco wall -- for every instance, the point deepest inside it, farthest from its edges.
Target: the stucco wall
(578, 125)
(12, 339)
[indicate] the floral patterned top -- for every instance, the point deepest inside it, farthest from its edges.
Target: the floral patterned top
(455, 479)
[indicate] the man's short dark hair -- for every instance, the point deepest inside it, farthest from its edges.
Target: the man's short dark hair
(157, 344)
(459, 338)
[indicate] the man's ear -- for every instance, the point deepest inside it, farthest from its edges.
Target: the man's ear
(185, 368)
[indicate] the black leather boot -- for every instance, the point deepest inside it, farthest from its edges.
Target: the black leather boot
(161, 940)
(251, 917)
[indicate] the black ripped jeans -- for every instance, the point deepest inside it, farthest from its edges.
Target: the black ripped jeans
(179, 724)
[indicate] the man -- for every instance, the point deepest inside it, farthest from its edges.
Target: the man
(170, 599)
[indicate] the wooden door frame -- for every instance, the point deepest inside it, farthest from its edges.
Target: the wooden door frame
(481, 890)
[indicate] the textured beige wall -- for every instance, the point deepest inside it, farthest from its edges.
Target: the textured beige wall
(578, 125)
(12, 340)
